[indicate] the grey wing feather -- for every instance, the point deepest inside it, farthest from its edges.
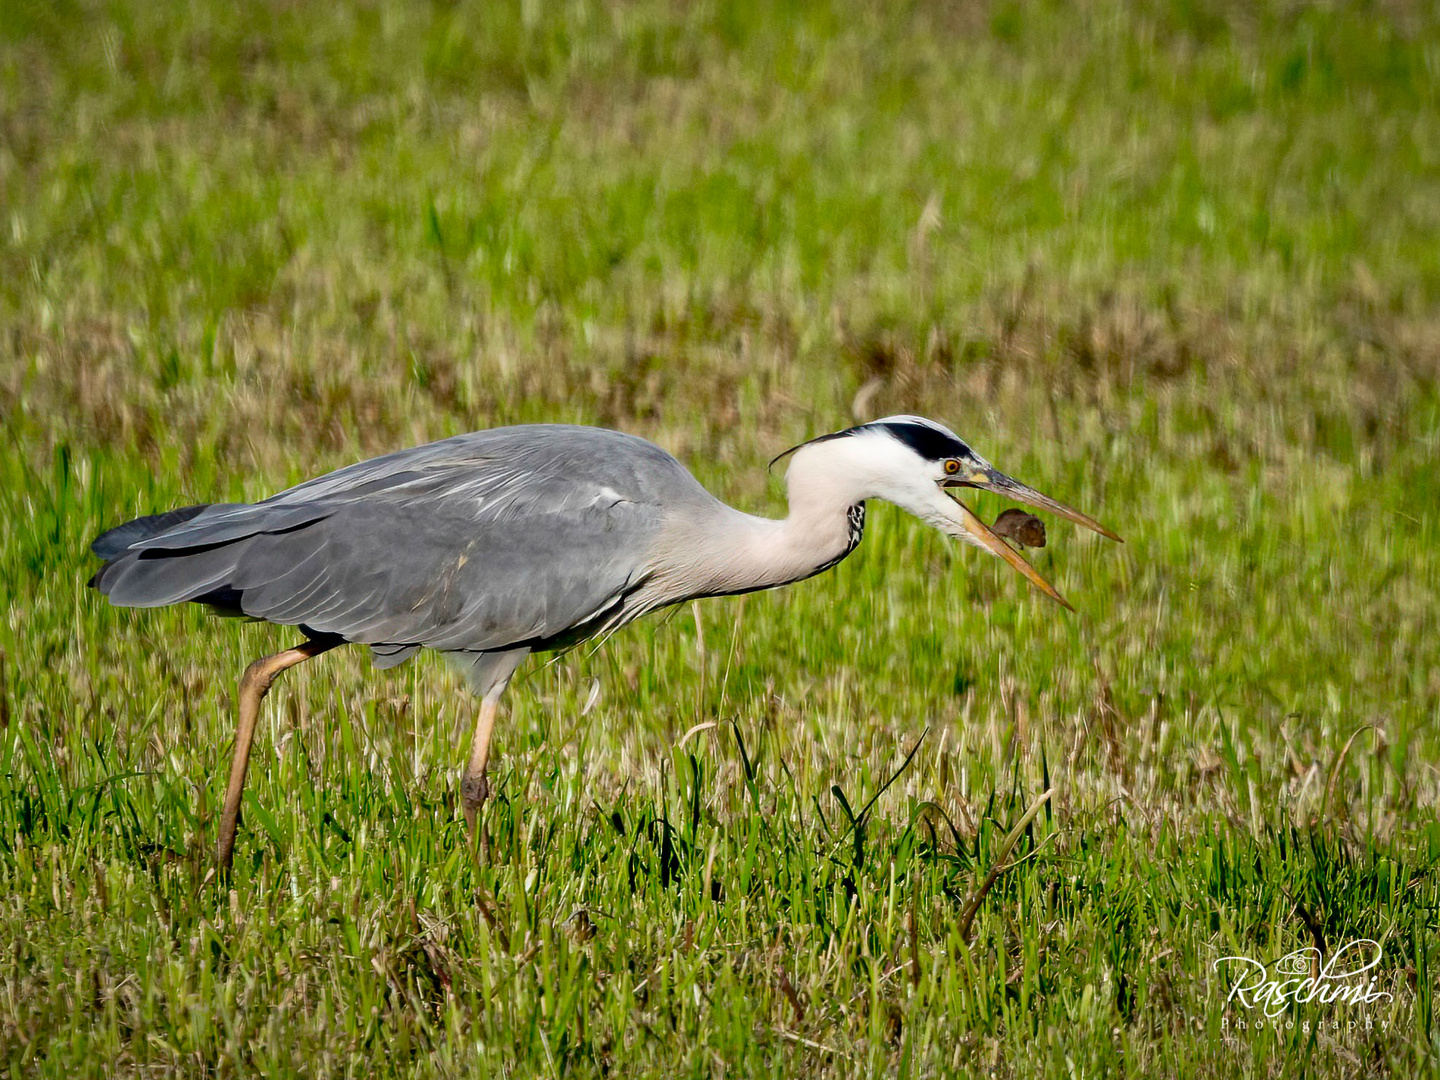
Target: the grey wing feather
(515, 536)
(112, 542)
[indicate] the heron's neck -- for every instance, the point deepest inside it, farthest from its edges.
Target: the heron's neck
(734, 552)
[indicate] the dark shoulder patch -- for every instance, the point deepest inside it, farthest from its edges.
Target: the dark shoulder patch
(928, 442)
(855, 516)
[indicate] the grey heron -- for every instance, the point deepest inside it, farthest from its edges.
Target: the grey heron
(497, 544)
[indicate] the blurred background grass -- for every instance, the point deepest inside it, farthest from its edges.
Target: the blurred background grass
(1174, 262)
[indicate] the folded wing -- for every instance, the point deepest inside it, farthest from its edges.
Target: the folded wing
(511, 537)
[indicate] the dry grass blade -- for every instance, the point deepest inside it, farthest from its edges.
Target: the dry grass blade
(811, 1044)
(490, 912)
(1000, 866)
(695, 730)
(1335, 767)
(791, 995)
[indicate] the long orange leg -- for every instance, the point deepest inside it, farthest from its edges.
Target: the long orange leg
(254, 685)
(489, 674)
(474, 787)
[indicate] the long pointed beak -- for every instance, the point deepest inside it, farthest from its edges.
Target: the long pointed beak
(998, 482)
(981, 535)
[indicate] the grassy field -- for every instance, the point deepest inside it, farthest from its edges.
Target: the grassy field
(1173, 262)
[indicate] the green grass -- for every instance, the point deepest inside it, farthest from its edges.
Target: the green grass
(1174, 262)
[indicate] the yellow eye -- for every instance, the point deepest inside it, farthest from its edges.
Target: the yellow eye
(952, 466)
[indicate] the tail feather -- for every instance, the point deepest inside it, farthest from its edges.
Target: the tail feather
(224, 523)
(187, 554)
(135, 579)
(114, 541)
(221, 560)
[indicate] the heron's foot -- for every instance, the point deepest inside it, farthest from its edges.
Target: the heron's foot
(474, 790)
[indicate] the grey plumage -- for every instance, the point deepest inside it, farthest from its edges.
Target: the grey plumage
(514, 537)
(112, 542)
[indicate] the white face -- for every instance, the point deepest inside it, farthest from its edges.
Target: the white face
(910, 461)
(905, 460)
(934, 449)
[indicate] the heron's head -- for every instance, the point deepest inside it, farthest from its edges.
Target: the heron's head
(914, 463)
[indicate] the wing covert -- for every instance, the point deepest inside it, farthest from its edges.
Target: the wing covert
(523, 535)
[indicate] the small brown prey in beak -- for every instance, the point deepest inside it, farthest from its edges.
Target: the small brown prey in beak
(1020, 527)
(998, 482)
